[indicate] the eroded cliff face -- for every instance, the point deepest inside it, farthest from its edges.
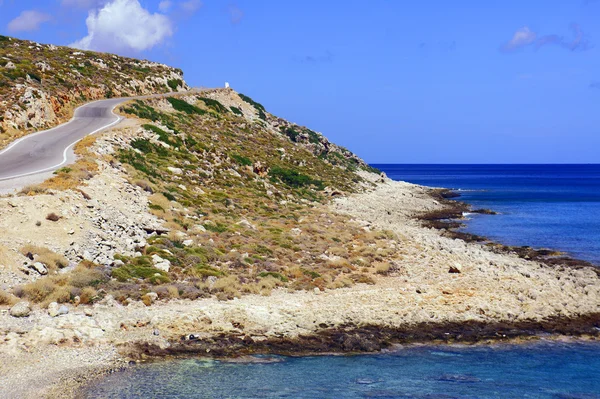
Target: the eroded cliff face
(41, 84)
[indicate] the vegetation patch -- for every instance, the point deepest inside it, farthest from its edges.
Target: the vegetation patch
(259, 107)
(293, 178)
(184, 106)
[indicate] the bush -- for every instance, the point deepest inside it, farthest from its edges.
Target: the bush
(276, 275)
(214, 104)
(237, 111)
(174, 84)
(184, 106)
(293, 178)
(241, 160)
(259, 107)
(142, 268)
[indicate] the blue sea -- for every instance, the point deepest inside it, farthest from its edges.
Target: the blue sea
(545, 206)
(542, 370)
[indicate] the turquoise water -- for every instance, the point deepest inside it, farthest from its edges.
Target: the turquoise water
(543, 370)
(552, 206)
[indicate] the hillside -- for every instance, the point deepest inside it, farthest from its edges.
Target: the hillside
(41, 84)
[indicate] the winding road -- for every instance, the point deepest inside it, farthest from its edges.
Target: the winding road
(48, 150)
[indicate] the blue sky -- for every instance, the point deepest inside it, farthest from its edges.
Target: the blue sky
(394, 81)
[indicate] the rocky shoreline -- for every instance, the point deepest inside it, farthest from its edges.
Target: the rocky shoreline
(448, 220)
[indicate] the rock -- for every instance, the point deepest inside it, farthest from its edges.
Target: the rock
(246, 224)
(160, 263)
(53, 309)
(63, 310)
(149, 298)
(118, 263)
(316, 290)
(188, 243)
(21, 309)
(198, 229)
(175, 171)
(456, 268)
(88, 312)
(40, 268)
(211, 280)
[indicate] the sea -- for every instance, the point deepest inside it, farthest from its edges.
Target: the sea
(544, 206)
(541, 370)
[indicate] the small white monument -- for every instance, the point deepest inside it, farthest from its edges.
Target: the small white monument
(227, 85)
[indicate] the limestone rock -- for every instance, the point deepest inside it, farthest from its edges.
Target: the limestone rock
(21, 309)
(53, 309)
(160, 263)
(40, 268)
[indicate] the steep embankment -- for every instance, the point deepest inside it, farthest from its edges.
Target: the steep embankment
(41, 84)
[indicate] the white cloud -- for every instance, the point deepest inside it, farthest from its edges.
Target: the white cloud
(28, 20)
(165, 5)
(521, 38)
(191, 6)
(124, 25)
(526, 37)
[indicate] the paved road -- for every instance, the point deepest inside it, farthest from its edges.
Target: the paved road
(47, 151)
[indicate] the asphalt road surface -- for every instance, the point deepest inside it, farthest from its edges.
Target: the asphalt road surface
(48, 150)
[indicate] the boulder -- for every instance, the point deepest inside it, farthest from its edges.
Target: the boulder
(455, 268)
(21, 309)
(160, 263)
(53, 309)
(40, 268)
(175, 171)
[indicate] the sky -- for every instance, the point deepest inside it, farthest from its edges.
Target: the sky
(394, 81)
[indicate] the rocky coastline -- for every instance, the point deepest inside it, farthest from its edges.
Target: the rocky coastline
(361, 319)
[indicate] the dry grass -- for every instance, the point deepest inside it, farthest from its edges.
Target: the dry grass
(46, 256)
(7, 298)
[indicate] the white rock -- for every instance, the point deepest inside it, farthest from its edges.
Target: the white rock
(188, 243)
(40, 268)
(21, 309)
(246, 224)
(175, 171)
(53, 309)
(160, 263)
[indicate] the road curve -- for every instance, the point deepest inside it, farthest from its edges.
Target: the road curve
(47, 151)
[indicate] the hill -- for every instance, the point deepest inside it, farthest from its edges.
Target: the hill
(41, 84)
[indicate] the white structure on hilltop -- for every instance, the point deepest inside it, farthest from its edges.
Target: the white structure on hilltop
(227, 85)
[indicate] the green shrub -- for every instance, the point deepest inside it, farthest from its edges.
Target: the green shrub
(291, 133)
(241, 160)
(216, 228)
(259, 107)
(142, 268)
(237, 111)
(174, 84)
(214, 104)
(278, 276)
(293, 178)
(207, 271)
(183, 106)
